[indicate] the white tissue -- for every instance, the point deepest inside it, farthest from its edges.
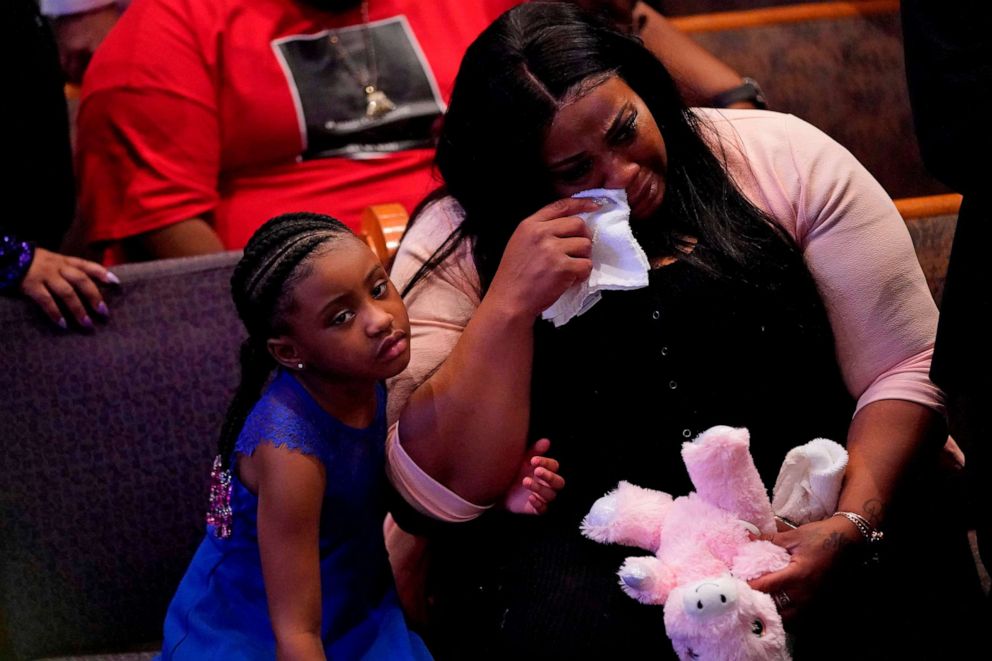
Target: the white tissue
(809, 481)
(618, 261)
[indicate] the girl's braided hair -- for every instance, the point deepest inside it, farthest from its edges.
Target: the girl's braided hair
(275, 259)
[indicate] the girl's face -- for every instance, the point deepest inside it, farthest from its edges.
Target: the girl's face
(347, 321)
(607, 138)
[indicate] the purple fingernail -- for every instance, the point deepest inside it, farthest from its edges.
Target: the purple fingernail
(102, 309)
(113, 279)
(87, 322)
(62, 324)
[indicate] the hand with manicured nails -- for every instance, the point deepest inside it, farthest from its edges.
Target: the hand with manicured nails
(55, 281)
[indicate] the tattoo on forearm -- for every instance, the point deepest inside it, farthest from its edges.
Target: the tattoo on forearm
(873, 511)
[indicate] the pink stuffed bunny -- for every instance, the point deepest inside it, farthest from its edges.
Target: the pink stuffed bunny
(704, 555)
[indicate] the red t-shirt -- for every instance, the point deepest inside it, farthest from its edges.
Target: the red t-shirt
(238, 110)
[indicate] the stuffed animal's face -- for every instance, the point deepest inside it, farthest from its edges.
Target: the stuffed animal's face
(724, 619)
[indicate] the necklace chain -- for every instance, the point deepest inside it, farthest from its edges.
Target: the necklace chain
(377, 103)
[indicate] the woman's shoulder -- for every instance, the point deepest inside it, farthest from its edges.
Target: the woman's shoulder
(756, 127)
(434, 223)
(778, 161)
(768, 143)
(434, 226)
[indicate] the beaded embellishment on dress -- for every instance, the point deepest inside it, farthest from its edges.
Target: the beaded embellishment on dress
(219, 513)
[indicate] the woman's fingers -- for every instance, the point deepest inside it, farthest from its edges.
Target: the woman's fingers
(64, 292)
(580, 247)
(94, 270)
(40, 295)
(569, 206)
(786, 590)
(547, 253)
(568, 227)
(85, 288)
(579, 267)
(57, 282)
(817, 549)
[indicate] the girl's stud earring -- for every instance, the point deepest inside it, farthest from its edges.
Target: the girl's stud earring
(299, 366)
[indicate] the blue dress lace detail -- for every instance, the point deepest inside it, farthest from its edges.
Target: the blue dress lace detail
(220, 610)
(295, 422)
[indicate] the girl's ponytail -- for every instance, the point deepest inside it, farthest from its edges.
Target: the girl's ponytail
(261, 286)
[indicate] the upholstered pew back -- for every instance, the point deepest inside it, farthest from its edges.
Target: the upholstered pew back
(107, 444)
(840, 68)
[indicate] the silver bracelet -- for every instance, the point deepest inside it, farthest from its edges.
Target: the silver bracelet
(789, 523)
(868, 531)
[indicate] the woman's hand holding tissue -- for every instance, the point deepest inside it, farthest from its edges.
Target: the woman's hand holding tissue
(548, 253)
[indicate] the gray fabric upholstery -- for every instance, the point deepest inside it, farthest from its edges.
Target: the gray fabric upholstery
(845, 76)
(932, 238)
(107, 443)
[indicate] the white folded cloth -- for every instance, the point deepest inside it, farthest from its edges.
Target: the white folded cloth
(618, 261)
(809, 481)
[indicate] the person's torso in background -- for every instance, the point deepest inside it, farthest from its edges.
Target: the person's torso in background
(291, 105)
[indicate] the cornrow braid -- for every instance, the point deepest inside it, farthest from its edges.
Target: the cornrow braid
(261, 285)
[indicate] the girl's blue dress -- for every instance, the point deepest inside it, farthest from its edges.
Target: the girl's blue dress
(220, 610)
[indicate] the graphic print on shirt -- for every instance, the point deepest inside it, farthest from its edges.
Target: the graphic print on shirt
(327, 80)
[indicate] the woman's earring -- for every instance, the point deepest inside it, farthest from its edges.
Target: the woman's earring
(299, 366)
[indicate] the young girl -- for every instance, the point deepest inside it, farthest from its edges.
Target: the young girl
(293, 564)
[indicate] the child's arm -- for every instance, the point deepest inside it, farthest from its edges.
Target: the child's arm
(537, 484)
(290, 493)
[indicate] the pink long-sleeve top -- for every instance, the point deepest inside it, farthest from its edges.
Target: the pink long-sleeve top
(851, 236)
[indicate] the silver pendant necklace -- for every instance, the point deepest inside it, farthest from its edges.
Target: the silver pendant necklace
(377, 103)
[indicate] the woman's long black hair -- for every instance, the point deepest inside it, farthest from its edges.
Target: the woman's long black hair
(274, 260)
(512, 82)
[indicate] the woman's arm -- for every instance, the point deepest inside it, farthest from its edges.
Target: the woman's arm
(183, 239)
(699, 74)
(882, 315)
(148, 138)
(288, 539)
(466, 425)
(884, 438)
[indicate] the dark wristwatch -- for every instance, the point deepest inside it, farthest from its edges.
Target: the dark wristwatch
(748, 90)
